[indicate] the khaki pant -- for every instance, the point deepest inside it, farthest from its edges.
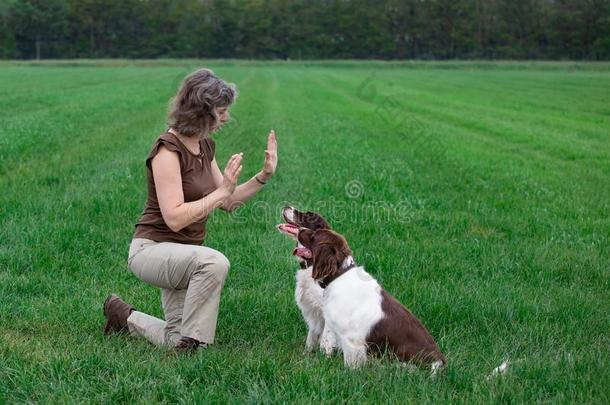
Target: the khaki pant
(191, 279)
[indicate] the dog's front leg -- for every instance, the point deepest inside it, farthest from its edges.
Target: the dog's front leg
(328, 341)
(354, 354)
(313, 336)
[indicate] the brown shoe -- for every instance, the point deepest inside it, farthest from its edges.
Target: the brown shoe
(187, 345)
(116, 312)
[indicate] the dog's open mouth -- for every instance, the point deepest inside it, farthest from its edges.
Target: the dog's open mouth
(302, 251)
(292, 230)
(289, 229)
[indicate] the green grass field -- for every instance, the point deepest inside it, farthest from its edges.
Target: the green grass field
(477, 193)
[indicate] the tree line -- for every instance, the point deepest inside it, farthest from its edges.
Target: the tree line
(306, 29)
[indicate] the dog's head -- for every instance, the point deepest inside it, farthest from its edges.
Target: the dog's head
(328, 249)
(296, 220)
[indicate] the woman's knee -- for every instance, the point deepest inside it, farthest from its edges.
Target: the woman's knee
(221, 265)
(217, 264)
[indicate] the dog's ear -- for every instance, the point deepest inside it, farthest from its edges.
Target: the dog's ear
(325, 261)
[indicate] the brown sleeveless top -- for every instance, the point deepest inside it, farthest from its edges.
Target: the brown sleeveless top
(197, 182)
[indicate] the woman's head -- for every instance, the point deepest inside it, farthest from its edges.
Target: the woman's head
(201, 105)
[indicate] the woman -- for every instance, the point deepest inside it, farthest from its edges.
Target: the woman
(185, 185)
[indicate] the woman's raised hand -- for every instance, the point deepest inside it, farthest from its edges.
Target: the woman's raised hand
(270, 163)
(232, 172)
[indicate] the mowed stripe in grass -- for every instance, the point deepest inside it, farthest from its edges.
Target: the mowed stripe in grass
(481, 203)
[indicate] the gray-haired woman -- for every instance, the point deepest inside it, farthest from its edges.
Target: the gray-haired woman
(185, 185)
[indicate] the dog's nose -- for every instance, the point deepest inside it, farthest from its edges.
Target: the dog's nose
(288, 213)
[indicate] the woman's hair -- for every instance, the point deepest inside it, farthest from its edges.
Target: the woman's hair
(191, 112)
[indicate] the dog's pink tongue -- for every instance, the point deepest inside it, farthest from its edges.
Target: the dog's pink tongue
(302, 252)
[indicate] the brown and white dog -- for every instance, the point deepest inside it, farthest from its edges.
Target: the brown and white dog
(308, 294)
(362, 315)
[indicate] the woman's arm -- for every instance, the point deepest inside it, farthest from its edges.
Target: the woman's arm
(242, 193)
(247, 190)
(168, 182)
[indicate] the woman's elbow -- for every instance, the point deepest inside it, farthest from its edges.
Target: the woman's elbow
(174, 227)
(172, 223)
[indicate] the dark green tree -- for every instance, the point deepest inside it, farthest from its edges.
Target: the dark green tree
(37, 27)
(306, 29)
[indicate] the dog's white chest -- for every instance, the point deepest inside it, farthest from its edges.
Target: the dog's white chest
(353, 302)
(308, 294)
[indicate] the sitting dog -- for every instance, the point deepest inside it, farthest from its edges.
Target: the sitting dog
(362, 315)
(308, 294)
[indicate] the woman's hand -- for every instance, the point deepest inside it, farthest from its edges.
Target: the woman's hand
(270, 163)
(232, 172)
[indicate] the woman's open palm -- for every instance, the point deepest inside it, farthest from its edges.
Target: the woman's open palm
(270, 163)
(232, 171)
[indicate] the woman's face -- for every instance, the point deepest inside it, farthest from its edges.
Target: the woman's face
(223, 116)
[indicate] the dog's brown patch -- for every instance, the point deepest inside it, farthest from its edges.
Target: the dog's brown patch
(402, 333)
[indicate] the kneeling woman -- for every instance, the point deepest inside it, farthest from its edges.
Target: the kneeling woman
(185, 185)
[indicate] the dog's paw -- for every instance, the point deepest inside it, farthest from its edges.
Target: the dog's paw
(328, 343)
(327, 348)
(309, 348)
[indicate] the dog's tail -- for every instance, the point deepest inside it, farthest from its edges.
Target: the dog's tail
(440, 365)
